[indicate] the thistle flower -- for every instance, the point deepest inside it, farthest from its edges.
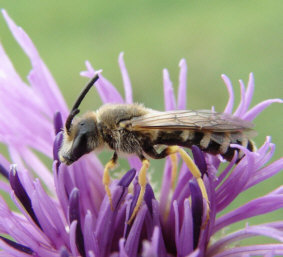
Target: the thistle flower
(66, 213)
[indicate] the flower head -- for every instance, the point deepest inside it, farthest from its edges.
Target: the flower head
(67, 213)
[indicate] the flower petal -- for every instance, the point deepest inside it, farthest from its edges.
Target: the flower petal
(74, 215)
(126, 80)
(228, 84)
(182, 91)
(21, 193)
(169, 97)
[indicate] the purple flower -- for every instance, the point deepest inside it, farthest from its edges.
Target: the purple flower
(66, 213)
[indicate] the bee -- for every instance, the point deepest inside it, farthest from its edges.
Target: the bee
(134, 129)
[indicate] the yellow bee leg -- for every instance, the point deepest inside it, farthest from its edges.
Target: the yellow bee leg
(106, 177)
(142, 182)
(174, 163)
(194, 170)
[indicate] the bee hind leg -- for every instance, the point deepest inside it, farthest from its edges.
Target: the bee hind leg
(174, 161)
(106, 176)
(142, 182)
(194, 170)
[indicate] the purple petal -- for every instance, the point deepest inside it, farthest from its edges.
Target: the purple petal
(51, 212)
(17, 246)
(108, 93)
(64, 252)
(107, 217)
(74, 215)
(182, 92)
(228, 84)
(133, 204)
(240, 110)
(40, 78)
(166, 183)
(169, 97)
(21, 193)
(58, 123)
(185, 244)
(4, 172)
(252, 113)
(56, 145)
(253, 250)
(250, 92)
(73, 238)
(253, 208)
(244, 234)
(126, 80)
(126, 180)
(89, 240)
(265, 173)
(122, 251)
(199, 159)
(133, 238)
(154, 248)
(197, 210)
(148, 197)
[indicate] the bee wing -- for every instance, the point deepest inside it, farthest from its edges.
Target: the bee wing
(190, 120)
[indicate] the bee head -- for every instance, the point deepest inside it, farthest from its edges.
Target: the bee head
(82, 135)
(82, 138)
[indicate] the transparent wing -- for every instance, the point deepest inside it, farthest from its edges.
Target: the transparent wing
(190, 120)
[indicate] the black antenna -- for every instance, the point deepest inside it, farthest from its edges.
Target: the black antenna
(76, 105)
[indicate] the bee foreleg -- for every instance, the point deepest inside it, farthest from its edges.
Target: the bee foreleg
(106, 176)
(194, 170)
(142, 182)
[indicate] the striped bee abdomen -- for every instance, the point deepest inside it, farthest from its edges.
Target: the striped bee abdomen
(210, 142)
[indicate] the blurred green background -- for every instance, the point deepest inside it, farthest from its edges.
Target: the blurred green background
(215, 37)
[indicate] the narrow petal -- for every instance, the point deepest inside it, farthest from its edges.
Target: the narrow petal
(89, 240)
(240, 110)
(250, 92)
(154, 248)
(64, 252)
(56, 145)
(74, 215)
(182, 91)
(40, 78)
(253, 208)
(254, 250)
(106, 217)
(17, 246)
(252, 113)
(21, 194)
(186, 244)
(126, 80)
(58, 123)
(133, 238)
(148, 197)
(244, 234)
(4, 172)
(73, 238)
(197, 210)
(199, 159)
(265, 173)
(169, 97)
(228, 84)
(107, 92)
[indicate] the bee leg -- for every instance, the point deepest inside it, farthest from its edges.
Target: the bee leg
(142, 182)
(194, 170)
(174, 161)
(106, 176)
